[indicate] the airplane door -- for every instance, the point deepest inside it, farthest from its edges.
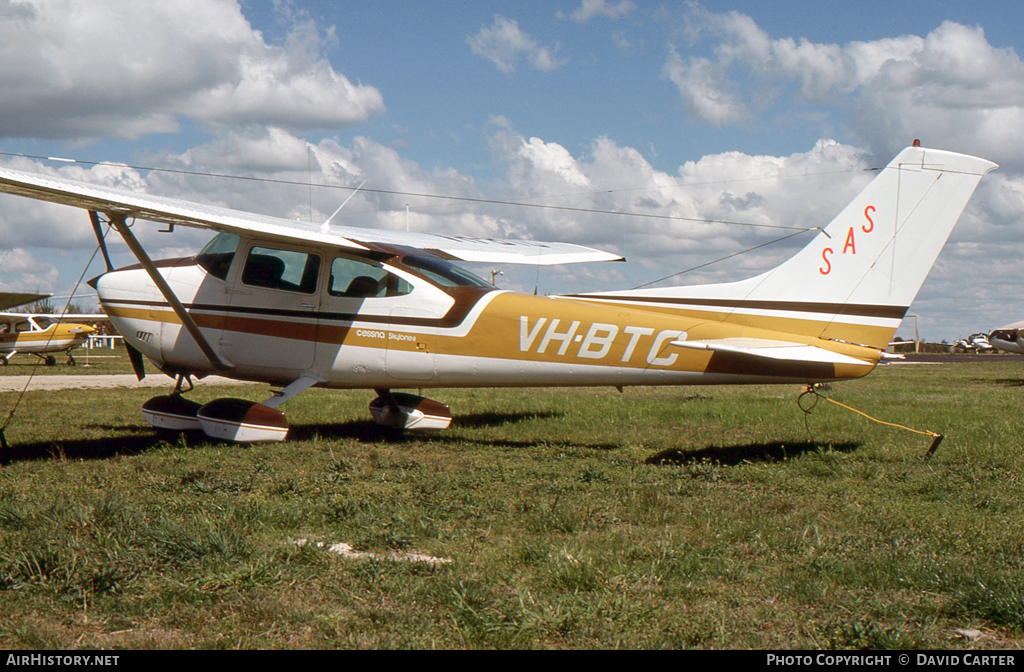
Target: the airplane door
(394, 338)
(411, 345)
(272, 317)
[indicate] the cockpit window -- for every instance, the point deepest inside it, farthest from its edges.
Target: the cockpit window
(443, 273)
(42, 322)
(217, 255)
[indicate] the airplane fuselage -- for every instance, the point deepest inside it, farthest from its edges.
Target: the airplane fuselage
(40, 335)
(408, 321)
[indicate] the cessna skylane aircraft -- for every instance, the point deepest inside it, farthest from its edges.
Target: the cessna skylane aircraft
(299, 305)
(40, 334)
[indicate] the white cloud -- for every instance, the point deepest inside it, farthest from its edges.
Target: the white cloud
(21, 271)
(705, 90)
(951, 88)
(550, 161)
(192, 59)
(504, 43)
(591, 8)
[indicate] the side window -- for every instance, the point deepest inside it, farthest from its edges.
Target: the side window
(358, 279)
(281, 269)
(23, 326)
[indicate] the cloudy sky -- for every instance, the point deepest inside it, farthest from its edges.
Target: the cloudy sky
(750, 112)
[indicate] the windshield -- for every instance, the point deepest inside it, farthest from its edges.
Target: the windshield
(444, 273)
(217, 255)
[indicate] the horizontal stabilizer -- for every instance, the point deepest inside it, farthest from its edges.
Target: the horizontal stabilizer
(774, 350)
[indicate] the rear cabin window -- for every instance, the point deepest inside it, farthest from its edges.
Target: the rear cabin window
(359, 279)
(216, 257)
(443, 273)
(281, 269)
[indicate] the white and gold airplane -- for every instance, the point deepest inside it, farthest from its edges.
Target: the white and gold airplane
(299, 305)
(40, 334)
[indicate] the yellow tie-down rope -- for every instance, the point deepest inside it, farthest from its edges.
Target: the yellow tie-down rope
(813, 390)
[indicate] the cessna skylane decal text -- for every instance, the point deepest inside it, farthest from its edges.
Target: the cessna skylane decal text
(300, 305)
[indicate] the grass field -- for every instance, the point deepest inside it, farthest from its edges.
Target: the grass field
(95, 361)
(751, 530)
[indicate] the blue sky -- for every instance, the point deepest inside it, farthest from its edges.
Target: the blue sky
(749, 111)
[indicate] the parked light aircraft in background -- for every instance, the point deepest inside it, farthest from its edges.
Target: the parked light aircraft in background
(40, 334)
(977, 343)
(299, 305)
(1009, 338)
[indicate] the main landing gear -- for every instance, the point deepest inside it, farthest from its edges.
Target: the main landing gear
(400, 410)
(229, 419)
(48, 360)
(245, 421)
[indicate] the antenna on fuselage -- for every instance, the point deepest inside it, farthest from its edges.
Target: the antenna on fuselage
(326, 226)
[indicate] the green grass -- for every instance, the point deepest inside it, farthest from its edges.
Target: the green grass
(699, 517)
(95, 361)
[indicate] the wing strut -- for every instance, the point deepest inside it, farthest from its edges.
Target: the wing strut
(95, 218)
(119, 223)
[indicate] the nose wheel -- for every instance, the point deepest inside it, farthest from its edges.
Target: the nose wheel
(237, 420)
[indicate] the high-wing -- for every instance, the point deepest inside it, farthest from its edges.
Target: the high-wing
(185, 213)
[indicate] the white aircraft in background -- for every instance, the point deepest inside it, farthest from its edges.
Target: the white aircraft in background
(41, 334)
(1009, 338)
(975, 343)
(300, 305)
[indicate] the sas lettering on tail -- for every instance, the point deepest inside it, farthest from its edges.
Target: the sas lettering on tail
(850, 246)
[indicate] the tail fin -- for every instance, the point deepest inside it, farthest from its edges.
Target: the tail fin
(857, 278)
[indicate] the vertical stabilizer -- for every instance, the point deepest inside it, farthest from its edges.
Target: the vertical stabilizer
(880, 248)
(857, 278)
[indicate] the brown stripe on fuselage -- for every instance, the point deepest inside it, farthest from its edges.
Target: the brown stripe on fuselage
(854, 310)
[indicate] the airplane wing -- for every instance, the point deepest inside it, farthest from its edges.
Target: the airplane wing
(119, 202)
(13, 299)
(770, 349)
(78, 317)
